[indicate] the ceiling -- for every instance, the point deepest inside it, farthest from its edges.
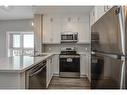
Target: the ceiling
(25, 12)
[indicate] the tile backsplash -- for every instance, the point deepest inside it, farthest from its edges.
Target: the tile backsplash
(57, 47)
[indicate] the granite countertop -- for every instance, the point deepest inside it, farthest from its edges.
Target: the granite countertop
(20, 64)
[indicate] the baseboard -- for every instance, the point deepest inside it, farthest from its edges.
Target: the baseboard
(55, 74)
(82, 75)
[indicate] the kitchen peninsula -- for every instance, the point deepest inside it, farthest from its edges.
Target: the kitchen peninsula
(13, 70)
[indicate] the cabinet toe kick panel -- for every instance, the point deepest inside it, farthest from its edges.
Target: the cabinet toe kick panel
(70, 74)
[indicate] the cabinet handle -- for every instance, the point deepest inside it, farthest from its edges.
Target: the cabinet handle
(108, 7)
(105, 8)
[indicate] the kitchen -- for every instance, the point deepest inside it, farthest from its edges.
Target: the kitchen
(44, 47)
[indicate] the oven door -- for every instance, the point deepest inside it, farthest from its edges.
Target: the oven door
(69, 67)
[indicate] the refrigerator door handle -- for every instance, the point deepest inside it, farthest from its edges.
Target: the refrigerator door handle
(122, 77)
(119, 13)
(108, 55)
(121, 20)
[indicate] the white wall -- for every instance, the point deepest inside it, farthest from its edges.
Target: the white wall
(12, 25)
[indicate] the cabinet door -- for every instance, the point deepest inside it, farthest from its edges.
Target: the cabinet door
(89, 66)
(83, 65)
(56, 30)
(47, 34)
(100, 11)
(56, 65)
(51, 62)
(38, 32)
(70, 24)
(48, 75)
(92, 17)
(84, 33)
(52, 29)
(51, 69)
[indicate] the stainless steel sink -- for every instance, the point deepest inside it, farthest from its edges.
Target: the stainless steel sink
(39, 55)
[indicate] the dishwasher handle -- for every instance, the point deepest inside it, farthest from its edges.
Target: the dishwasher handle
(38, 71)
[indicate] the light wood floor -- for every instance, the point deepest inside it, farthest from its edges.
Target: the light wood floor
(69, 83)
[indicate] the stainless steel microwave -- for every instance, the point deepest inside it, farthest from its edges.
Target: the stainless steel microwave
(67, 37)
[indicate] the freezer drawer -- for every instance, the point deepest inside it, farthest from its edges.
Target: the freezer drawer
(110, 75)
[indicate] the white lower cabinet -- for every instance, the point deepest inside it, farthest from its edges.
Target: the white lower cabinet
(52, 68)
(56, 65)
(85, 65)
(49, 72)
(89, 67)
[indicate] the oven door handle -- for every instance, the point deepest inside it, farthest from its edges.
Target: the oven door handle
(38, 71)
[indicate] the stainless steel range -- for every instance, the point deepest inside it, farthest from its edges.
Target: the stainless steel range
(69, 63)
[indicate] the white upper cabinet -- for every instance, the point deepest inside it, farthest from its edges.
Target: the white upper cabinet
(98, 12)
(83, 33)
(51, 30)
(38, 22)
(92, 17)
(56, 29)
(53, 25)
(46, 30)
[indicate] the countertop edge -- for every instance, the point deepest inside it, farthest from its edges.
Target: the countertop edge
(27, 68)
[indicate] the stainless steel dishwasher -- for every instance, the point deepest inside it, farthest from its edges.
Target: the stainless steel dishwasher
(36, 76)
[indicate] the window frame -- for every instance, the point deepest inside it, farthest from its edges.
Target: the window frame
(10, 44)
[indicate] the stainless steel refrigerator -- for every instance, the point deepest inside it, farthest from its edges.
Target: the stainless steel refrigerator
(109, 50)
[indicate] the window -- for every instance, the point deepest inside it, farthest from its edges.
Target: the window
(16, 41)
(20, 43)
(28, 41)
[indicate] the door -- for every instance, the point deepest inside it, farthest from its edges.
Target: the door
(110, 73)
(110, 34)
